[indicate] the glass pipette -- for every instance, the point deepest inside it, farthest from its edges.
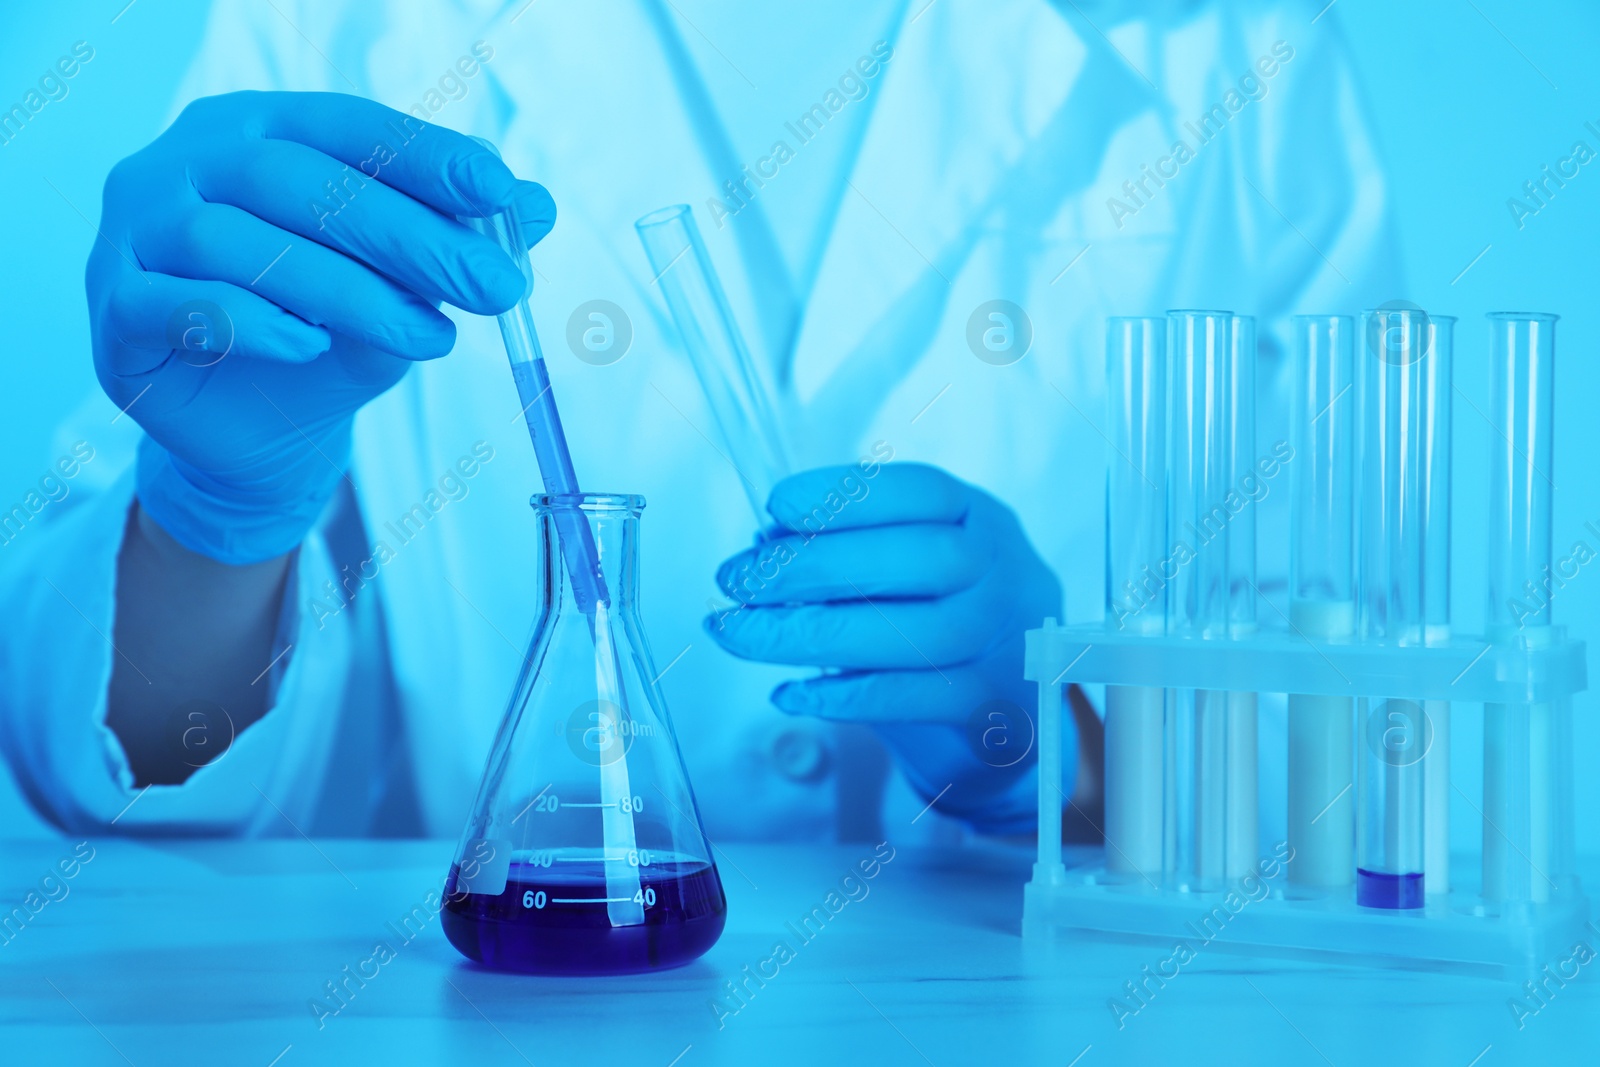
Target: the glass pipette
(539, 411)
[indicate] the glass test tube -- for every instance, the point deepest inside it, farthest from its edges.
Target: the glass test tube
(1136, 532)
(733, 386)
(1521, 778)
(1437, 431)
(1403, 385)
(1243, 708)
(1322, 598)
(1199, 478)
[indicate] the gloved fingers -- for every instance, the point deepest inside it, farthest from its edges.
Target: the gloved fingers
(951, 730)
(905, 560)
(152, 314)
(843, 498)
(949, 696)
(867, 634)
(303, 191)
(536, 210)
(219, 242)
(448, 171)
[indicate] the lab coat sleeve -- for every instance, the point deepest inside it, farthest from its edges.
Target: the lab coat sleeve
(57, 586)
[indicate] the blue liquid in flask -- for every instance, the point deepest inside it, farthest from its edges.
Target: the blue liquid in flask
(554, 920)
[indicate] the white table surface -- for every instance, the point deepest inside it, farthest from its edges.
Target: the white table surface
(210, 952)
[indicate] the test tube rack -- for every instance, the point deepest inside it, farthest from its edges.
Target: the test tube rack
(1539, 905)
(1364, 655)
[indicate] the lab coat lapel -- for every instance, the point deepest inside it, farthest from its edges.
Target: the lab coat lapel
(952, 124)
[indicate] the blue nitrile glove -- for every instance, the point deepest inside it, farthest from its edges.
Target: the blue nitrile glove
(269, 264)
(916, 588)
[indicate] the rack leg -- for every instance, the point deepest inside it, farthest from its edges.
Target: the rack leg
(1049, 870)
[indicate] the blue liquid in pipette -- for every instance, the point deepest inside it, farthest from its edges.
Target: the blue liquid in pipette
(553, 920)
(555, 468)
(1375, 889)
(544, 426)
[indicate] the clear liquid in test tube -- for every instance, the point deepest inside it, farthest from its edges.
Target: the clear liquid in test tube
(1322, 596)
(1523, 747)
(1136, 532)
(1403, 385)
(1243, 708)
(1438, 431)
(1202, 774)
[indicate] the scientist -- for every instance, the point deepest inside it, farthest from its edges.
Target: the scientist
(297, 597)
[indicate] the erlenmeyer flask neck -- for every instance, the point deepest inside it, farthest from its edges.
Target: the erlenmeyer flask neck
(580, 529)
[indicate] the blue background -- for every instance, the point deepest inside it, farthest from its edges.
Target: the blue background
(1469, 99)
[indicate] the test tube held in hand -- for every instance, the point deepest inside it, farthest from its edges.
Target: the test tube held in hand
(733, 385)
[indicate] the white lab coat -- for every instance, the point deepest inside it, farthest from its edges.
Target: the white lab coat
(999, 131)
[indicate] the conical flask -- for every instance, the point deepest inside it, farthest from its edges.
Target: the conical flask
(584, 852)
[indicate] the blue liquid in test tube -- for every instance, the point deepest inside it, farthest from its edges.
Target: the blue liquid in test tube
(1403, 392)
(544, 422)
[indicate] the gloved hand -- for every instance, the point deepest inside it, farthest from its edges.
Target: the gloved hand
(915, 589)
(269, 264)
